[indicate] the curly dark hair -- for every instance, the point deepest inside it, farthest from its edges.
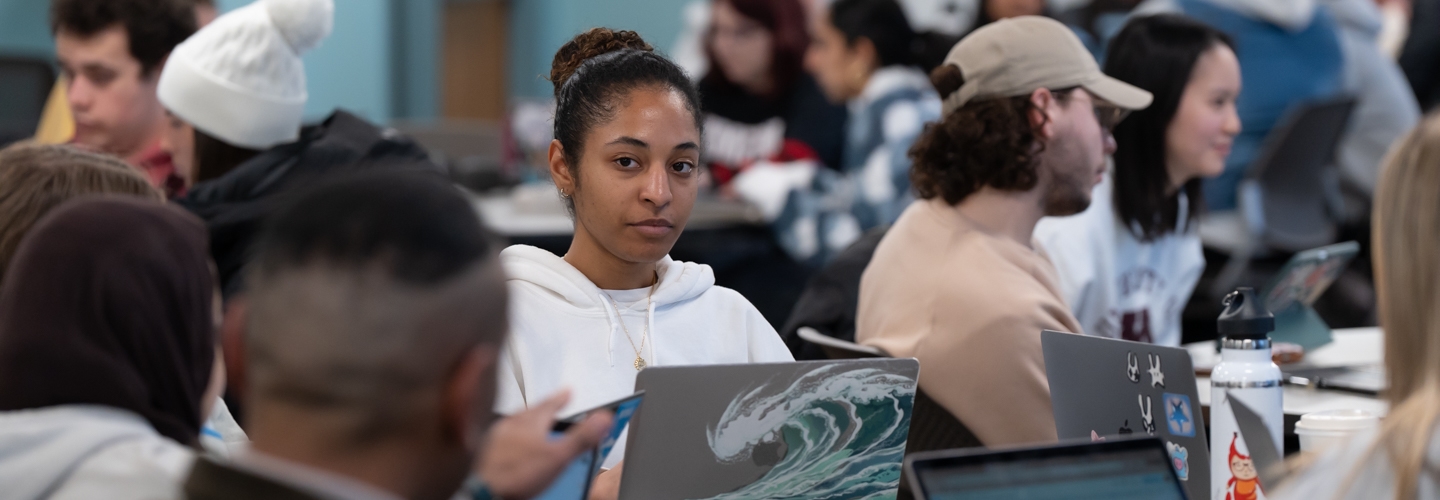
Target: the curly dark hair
(153, 27)
(984, 143)
(595, 69)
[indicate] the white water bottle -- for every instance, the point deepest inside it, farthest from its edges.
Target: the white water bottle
(1245, 372)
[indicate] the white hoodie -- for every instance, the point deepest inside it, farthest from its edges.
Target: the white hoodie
(1116, 285)
(84, 452)
(564, 332)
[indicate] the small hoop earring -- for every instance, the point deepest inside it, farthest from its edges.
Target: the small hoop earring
(563, 194)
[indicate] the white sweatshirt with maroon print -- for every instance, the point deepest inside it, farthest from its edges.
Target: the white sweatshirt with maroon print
(1116, 285)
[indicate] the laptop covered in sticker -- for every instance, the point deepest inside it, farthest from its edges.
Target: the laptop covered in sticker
(1104, 388)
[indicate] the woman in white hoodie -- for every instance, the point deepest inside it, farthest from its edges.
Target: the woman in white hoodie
(625, 160)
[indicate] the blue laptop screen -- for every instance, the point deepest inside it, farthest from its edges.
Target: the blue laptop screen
(1113, 475)
(574, 483)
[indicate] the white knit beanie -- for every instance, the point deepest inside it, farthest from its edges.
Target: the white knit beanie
(240, 79)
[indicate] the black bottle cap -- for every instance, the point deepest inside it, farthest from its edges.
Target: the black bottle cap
(1245, 316)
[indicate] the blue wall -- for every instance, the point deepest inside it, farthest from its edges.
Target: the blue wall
(25, 28)
(539, 27)
(381, 61)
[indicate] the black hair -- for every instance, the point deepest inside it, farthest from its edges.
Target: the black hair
(214, 157)
(884, 24)
(596, 69)
(153, 27)
(417, 226)
(1156, 53)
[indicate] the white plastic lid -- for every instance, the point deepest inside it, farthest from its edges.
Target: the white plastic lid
(1338, 420)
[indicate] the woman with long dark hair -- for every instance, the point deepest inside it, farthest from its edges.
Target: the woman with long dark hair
(1129, 263)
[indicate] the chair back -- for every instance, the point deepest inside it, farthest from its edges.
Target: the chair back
(932, 427)
(25, 85)
(1292, 191)
(839, 349)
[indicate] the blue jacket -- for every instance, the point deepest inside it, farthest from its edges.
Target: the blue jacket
(1281, 67)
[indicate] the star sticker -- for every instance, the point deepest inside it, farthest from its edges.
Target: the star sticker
(1179, 415)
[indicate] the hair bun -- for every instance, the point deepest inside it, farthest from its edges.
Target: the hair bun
(592, 43)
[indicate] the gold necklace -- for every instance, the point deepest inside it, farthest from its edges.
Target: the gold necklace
(639, 356)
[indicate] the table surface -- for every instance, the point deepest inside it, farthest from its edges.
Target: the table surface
(1352, 347)
(536, 210)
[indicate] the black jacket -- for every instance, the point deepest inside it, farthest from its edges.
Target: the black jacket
(234, 205)
(831, 298)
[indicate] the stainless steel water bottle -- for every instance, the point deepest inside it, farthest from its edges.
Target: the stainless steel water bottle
(1246, 372)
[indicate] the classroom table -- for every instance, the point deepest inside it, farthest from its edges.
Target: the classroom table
(535, 210)
(1352, 347)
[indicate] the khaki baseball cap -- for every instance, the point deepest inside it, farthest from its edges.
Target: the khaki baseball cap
(1014, 57)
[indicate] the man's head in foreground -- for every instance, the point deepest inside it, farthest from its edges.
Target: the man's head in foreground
(374, 311)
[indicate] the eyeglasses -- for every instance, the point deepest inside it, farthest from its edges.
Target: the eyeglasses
(1109, 115)
(1106, 114)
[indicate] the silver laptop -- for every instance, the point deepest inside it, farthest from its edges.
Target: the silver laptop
(1105, 388)
(1130, 469)
(818, 429)
(1269, 461)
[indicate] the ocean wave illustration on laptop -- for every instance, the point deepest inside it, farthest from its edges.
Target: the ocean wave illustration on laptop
(838, 431)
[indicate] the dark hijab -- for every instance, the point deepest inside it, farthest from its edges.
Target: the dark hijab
(108, 302)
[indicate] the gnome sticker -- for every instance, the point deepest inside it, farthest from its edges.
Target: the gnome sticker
(1244, 483)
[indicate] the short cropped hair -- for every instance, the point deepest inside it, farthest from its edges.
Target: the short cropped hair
(153, 27)
(35, 179)
(364, 294)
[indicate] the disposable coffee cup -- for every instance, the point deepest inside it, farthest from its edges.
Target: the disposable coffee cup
(1322, 430)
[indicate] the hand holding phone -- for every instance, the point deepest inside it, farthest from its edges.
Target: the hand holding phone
(521, 457)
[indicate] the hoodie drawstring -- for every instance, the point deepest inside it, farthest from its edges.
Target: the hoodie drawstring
(611, 317)
(650, 328)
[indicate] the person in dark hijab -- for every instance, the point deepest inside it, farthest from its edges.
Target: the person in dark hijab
(107, 348)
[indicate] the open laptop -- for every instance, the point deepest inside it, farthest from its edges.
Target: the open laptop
(1299, 284)
(816, 429)
(1137, 469)
(1104, 388)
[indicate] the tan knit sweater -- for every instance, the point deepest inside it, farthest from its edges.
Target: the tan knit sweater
(970, 306)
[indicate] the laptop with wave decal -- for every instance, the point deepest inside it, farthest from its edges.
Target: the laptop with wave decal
(815, 429)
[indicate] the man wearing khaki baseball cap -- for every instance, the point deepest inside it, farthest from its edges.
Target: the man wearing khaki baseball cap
(956, 282)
